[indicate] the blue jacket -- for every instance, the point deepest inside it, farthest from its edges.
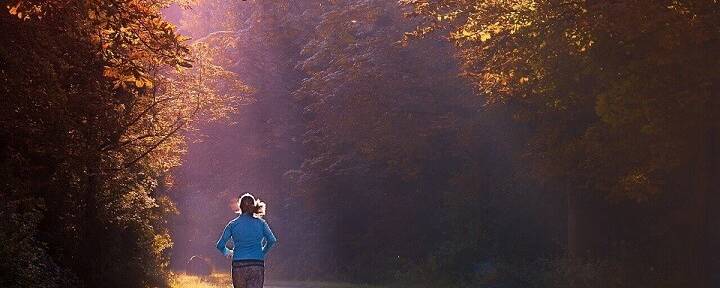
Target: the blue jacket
(252, 238)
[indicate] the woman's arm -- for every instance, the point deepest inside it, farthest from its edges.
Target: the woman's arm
(269, 237)
(223, 239)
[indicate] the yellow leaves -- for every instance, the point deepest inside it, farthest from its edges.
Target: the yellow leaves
(447, 16)
(161, 242)
(462, 34)
(24, 10)
(505, 44)
(484, 36)
(465, 34)
(139, 81)
(124, 80)
(487, 19)
(143, 82)
(475, 29)
(524, 5)
(579, 39)
(182, 38)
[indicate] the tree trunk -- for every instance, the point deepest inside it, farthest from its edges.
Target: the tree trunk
(705, 183)
(707, 180)
(572, 224)
(90, 248)
(713, 215)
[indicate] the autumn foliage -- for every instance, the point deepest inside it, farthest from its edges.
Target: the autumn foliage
(96, 98)
(416, 143)
(469, 143)
(622, 101)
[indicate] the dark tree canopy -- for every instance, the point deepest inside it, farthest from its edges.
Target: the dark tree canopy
(411, 143)
(96, 97)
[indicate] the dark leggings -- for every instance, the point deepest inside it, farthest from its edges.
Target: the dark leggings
(248, 274)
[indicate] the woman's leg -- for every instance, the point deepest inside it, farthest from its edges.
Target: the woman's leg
(238, 277)
(255, 276)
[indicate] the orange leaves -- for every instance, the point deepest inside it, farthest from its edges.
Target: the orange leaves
(143, 82)
(65, 58)
(25, 9)
(182, 38)
(144, 55)
(111, 72)
(14, 9)
(126, 80)
(133, 39)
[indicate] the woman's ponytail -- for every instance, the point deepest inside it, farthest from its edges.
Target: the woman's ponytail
(248, 203)
(259, 210)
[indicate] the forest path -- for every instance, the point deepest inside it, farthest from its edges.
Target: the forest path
(218, 280)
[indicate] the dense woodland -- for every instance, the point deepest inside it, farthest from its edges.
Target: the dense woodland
(419, 143)
(96, 98)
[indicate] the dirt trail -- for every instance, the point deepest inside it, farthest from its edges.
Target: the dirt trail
(218, 280)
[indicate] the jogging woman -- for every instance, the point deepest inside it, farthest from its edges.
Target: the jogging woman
(252, 239)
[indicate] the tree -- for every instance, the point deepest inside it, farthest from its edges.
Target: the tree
(93, 121)
(619, 94)
(390, 142)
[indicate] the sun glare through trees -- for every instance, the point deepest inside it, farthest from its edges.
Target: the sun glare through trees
(397, 143)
